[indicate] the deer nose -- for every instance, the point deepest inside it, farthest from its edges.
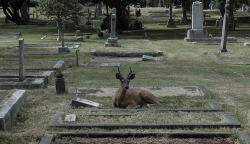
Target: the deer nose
(126, 87)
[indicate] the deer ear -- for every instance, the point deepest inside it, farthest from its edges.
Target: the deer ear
(118, 76)
(131, 76)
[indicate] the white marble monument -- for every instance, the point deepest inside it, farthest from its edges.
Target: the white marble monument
(197, 31)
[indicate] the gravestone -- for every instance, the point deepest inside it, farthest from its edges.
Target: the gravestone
(149, 58)
(211, 5)
(243, 8)
(63, 48)
(159, 3)
(83, 102)
(70, 118)
(112, 40)
(170, 21)
(224, 29)
(197, 30)
(60, 83)
(21, 67)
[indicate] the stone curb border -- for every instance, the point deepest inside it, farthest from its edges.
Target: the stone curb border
(49, 138)
(47, 76)
(10, 108)
(231, 123)
(60, 65)
(36, 84)
(126, 54)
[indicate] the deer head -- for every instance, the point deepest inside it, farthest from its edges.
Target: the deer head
(125, 81)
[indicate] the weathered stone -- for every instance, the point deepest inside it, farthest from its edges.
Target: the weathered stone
(170, 22)
(83, 102)
(111, 64)
(70, 118)
(197, 31)
(21, 67)
(148, 58)
(246, 43)
(224, 29)
(47, 139)
(59, 66)
(9, 110)
(60, 83)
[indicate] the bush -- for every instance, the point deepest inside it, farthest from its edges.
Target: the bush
(135, 25)
(138, 13)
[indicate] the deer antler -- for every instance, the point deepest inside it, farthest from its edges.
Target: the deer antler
(130, 72)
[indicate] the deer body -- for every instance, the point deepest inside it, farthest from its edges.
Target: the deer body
(126, 97)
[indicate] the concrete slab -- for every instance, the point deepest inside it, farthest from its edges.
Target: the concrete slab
(84, 102)
(70, 118)
(193, 91)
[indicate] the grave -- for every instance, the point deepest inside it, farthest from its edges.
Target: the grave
(125, 53)
(170, 22)
(10, 104)
(112, 41)
(197, 31)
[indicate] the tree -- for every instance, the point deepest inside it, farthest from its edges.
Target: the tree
(61, 10)
(11, 10)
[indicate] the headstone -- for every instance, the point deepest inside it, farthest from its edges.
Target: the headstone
(243, 8)
(246, 43)
(83, 102)
(224, 29)
(197, 31)
(21, 67)
(70, 118)
(170, 21)
(159, 3)
(60, 83)
(63, 48)
(112, 40)
(211, 5)
(148, 58)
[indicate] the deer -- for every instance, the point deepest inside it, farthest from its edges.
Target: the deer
(129, 98)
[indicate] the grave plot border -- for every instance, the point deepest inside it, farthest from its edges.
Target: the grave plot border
(79, 39)
(37, 83)
(47, 76)
(10, 108)
(59, 66)
(211, 40)
(49, 138)
(125, 54)
(70, 45)
(232, 122)
(214, 107)
(8, 34)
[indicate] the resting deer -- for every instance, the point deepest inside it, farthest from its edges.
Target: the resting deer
(126, 97)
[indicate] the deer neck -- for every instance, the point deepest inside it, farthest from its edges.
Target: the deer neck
(120, 95)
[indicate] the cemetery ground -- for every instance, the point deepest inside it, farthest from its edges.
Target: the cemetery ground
(183, 64)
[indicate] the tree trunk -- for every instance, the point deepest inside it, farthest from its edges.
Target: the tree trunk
(59, 29)
(24, 11)
(231, 15)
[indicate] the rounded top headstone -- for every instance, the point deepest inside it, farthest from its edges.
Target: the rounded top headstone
(197, 3)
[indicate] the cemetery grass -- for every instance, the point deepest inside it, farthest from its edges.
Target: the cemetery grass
(183, 64)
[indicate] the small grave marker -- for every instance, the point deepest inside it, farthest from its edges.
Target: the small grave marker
(148, 58)
(21, 68)
(70, 118)
(83, 102)
(111, 64)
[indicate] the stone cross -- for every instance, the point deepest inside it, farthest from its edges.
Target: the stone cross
(21, 68)
(197, 15)
(224, 29)
(170, 21)
(211, 5)
(113, 22)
